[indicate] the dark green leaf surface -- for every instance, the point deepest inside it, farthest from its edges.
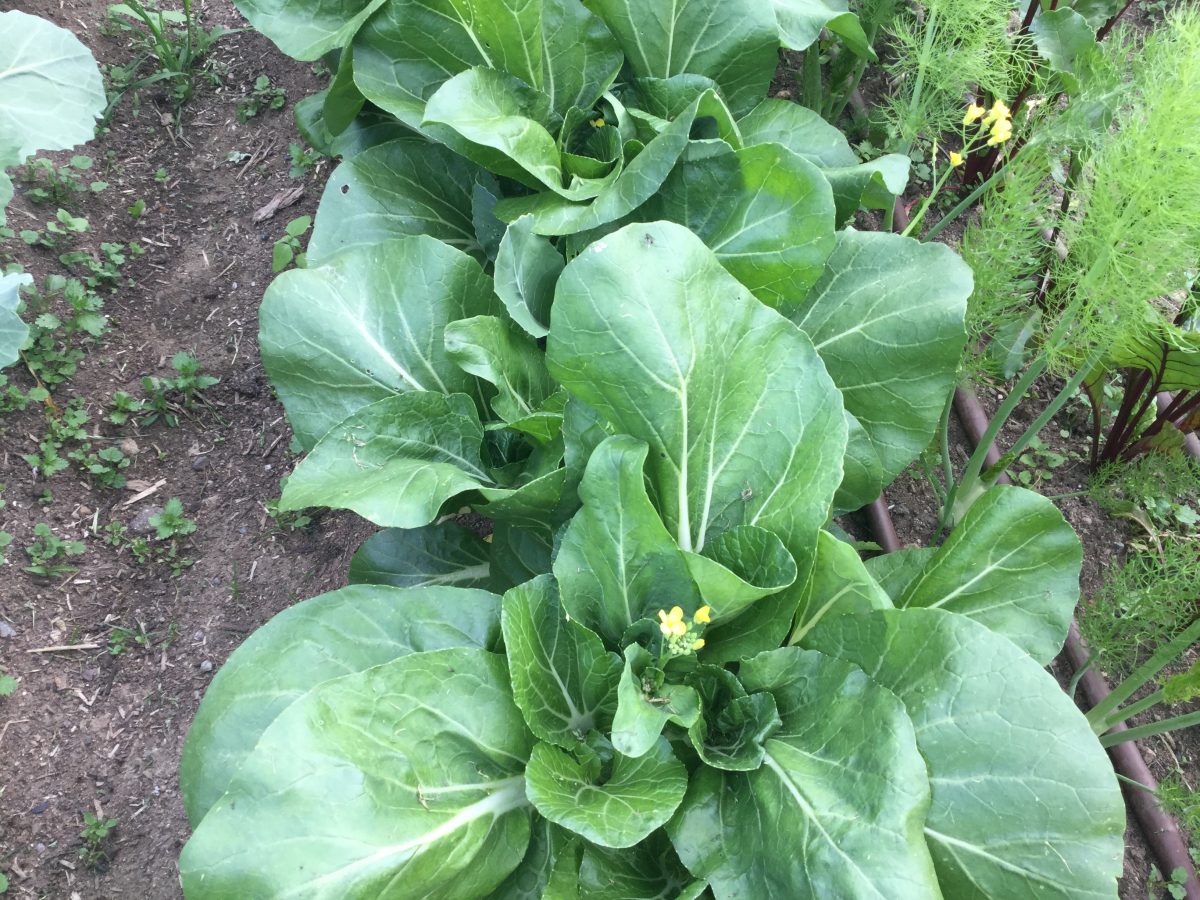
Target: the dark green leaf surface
(1012, 564)
(394, 462)
(740, 566)
(398, 188)
(527, 269)
(801, 21)
(311, 29)
(441, 554)
(490, 348)
(837, 806)
(895, 571)
(641, 715)
(840, 584)
(1025, 803)
(402, 780)
(649, 871)
(368, 326)
(563, 679)
(733, 726)
(617, 563)
(887, 320)
(326, 637)
(766, 212)
(639, 796)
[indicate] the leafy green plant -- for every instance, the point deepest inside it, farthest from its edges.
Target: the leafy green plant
(47, 183)
(303, 159)
(104, 466)
(96, 830)
(288, 248)
(48, 553)
(187, 384)
(171, 522)
(8, 684)
(262, 97)
(170, 42)
(124, 407)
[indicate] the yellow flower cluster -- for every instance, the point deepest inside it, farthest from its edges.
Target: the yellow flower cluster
(681, 637)
(998, 119)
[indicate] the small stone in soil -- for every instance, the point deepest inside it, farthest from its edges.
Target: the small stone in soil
(141, 522)
(199, 463)
(128, 446)
(206, 666)
(40, 807)
(7, 631)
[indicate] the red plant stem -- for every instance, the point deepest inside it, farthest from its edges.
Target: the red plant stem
(1165, 415)
(1191, 443)
(1159, 828)
(1108, 26)
(1137, 384)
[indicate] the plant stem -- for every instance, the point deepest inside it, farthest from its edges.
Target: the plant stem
(811, 76)
(1144, 731)
(963, 205)
(1103, 711)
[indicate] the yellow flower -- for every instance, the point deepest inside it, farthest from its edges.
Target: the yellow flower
(672, 622)
(703, 616)
(998, 113)
(974, 111)
(956, 159)
(1001, 132)
(698, 644)
(597, 123)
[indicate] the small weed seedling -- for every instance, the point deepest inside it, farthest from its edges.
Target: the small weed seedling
(171, 522)
(263, 97)
(169, 526)
(1176, 887)
(137, 209)
(303, 160)
(124, 407)
(288, 249)
(59, 185)
(8, 684)
(188, 384)
(48, 553)
(103, 467)
(95, 832)
(119, 639)
(58, 230)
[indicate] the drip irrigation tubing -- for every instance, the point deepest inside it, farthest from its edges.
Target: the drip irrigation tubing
(1159, 829)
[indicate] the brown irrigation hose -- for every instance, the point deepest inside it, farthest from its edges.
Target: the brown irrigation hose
(1160, 830)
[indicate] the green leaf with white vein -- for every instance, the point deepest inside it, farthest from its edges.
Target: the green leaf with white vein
(840, 584)
(766, 212)
(398, 188)
(311, 29)
(733, 726)
(441, 554)
(801, 21)
(740, 566)
(415, 768)
(563, 679)
(412, 47)
(741, 418)
(617, 563)
(13, 331)
(1025, 802)
(887, 319)
(1012, 564)
(837, 806)
(639, 795)
(326, 637)
(488, 347)
(733, 42)
(527, 268)
(649, 871)
(394, 462)
(51, 92)
(368, 326)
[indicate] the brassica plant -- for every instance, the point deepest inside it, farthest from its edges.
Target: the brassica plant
(51, 94)
(598, 294)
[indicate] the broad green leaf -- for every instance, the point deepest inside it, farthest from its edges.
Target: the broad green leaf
(1012, 564)
(543, 502)
(368, 326)
(501, 123)
(394, 462)
(488, 347)
(527, 268)
(740, 566)
(766, 212)
(1025, 803)
(895, 571)
(563, 679)
(309, 30)
(548, 847)
(1165, 350)
(617, 563)
(840, 584)
(837, 806)
(519, 553)
(13, 331)
(863, 476)
(402, 187)
(636, 183)
(642, 714)
(1060, 35)
(733, 726)
(343, 101)
(873, 184)
(760, 628)
(401, 780)
(801, 21)
(312, 642)
(545, 423)
(412, 47)
(639, 795)
(441, 554)
(887, 320)
(649, 871)
(733, 42)
(742, 422)
(51, 92)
